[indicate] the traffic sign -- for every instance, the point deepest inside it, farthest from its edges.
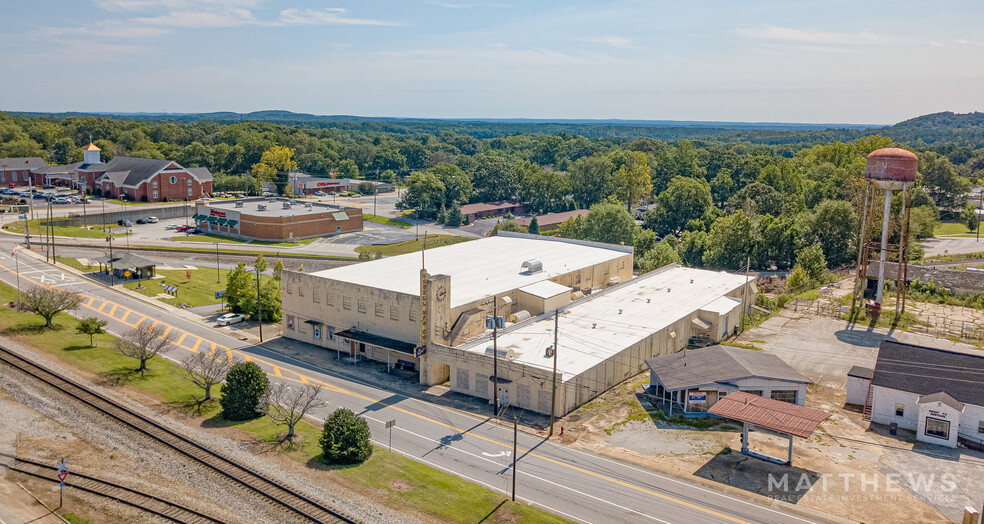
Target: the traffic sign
(62, 475)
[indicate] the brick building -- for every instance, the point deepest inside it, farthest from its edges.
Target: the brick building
(17, 171)
(275, 219)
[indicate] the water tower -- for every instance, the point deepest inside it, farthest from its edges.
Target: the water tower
(887, 170)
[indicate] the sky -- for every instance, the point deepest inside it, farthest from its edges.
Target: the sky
(730, 60)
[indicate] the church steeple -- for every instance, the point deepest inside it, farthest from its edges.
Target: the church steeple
(90, 154)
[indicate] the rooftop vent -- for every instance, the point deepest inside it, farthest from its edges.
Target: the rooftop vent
(310, 205)
(532, 266)
(239, 204)
(261, 207)
(286, 205)
(507, 353)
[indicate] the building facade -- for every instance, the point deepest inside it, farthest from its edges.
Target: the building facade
(17, 171)
(275, 219)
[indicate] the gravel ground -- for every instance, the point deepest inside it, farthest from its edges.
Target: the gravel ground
(142, 464)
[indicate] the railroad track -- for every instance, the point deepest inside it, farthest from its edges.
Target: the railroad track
(129, 496)
(300, 505)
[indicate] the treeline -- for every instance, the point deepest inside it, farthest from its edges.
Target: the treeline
(710, 203)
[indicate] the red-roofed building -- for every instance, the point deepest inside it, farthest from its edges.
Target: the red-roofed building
(490, 209)
(551, 221)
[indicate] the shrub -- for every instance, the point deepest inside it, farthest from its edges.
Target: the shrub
(345, 438)
(244, 393)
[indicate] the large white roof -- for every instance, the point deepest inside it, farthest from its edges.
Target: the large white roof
(600, 326)
(479, 268)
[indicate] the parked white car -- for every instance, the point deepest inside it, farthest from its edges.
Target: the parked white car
(152, 220)
(171, 226)
(230, 318)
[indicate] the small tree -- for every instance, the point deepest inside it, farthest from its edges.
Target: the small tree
(345, 438)
(238, 287)
(143, 344)
(204, 371)
(534, 227)
(798, 278)
(454, 217)
(970, 217)
(811, 260)
(48, 302)
(90, 326)
(288, 405)
(278, 269)
(260, 264)
(244, 393)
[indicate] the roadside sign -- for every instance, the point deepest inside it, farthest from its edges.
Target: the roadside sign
(389, 426)
(62, 475)
(220, 293)
(390, 423)
(420, 351)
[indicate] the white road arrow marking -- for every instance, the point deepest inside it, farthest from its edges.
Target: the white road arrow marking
(499, 454)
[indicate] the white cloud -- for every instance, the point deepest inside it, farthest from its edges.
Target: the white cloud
(448, 5)
(969, 42)
(328, 16)
(108, 29)
(180, 5)
(802, 36)
(616, 41)
(201, 19)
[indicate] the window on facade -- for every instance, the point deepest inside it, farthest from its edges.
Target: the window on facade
(3, 177)
(189, 191)
(785, 396)
(287, 288)
(13, 177)
(379, 310)
(173, 180)
(300, 291)
(607, 269)
(900, 410)
(330, 299)
(347, 303)
(394, 313)
(980, 427)
(413, 315)
(155, 184)
(621, 264)
(937, 428)
(155, 195)
(316, 296)
(362, 306)
(338, 229)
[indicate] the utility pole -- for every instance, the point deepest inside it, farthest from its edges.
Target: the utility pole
(112, 273)
(980, 204)
(553, 395)
(16, 271)
(495, 352)
(85, 217)
(218, 278)
(744, 295)
(51, 217)
(47, 233)
(27, 226)
(515, 438)
(259, 305)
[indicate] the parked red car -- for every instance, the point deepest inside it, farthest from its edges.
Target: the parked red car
(183, 229)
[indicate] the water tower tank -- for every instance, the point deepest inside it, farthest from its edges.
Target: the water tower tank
(891, 167)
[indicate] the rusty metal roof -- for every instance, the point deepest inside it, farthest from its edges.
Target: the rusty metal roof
(776, 415)
(892, 152)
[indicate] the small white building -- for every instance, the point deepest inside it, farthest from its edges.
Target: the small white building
(858, 379)
(937, 393)
(691, 381)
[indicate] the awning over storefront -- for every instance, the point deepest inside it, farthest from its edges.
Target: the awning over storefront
(232, 223)
(222, 221)
(341, 215)
(213, 219)
(376, 340)
(313, 322)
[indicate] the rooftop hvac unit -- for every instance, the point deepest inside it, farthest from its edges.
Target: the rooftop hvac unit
(239, 204)
(520, 316)
(502, 353)
(308, 205)
(532, 266)
(286, 205)
(261, 207)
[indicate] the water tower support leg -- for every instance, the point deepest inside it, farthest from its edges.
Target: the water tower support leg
(884, 247)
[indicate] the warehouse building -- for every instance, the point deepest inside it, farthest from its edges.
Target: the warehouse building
(275, 219)
(374, 310)
(603, 339)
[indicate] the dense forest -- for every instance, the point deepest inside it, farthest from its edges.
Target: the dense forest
(711, 196)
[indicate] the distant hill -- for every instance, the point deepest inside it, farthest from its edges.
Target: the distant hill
(963, 130)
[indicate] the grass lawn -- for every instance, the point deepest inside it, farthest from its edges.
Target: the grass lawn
(74, 262)
(397, 480)
(62, 231)
(199, 290)
(207, 237)
(235, 252)
(951, 228)
(411, 246)
(387, 221)
(131, 203)
(302, 242)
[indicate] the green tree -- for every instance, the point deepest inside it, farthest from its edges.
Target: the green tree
(660, 255)
(684, 199)
(238, 287)
(798, 278)
(923, 221)
(970, 217)
(365, 188)
(730, 242)
(722, 186)
(425, 193)
(691, 247)
(508, 225)
(457, 184)
(633, 181)
(278, 269)
(454, 217)
(534, 226)
(143, 343)
(835, 227)
(811, 260)
(942, 181)
(277, 161)
(495, 178)
(270, 300)
(260, 264)
(345, 438)
(609, 222)
(48, 302)
(244, 395)
(592, 179)
(543, 191)
(90, 326)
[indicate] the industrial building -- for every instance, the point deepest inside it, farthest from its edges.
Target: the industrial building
(427, 311)
(275, 219)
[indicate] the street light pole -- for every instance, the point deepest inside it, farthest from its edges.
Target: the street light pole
(553, 395)
(218, 279)
(495, 352)
(515, 439)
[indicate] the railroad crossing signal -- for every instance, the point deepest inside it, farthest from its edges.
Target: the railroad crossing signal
(62, 474)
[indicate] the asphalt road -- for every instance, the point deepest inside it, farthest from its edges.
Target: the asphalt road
(580, 486)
